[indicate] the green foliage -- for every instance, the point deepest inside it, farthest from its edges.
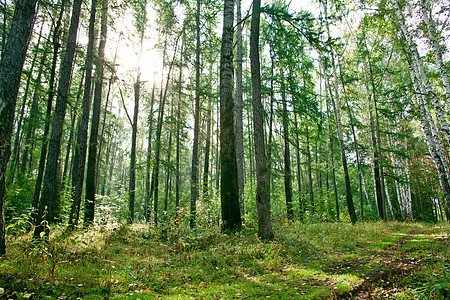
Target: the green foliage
(315, 261)
(18, 198)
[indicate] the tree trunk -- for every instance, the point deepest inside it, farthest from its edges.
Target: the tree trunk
(337, 115)
(70, 142)
(239, 127)
(433, 140)
(177, 163)
(132, 182)
(149, 156)
(207, 150)
(50, 94)
(91, 175)
(194, 168)
(167, 187)
(155, 174)
(287, 153)
(437, 48)
(20, 121)
(335, 100)
(229, 189)
(32, 119)
(417, 71)
(262, 172)
(301, 202)
(13, 58)
(49, 197)
(355, 144)
(331, 149)
(140, 23)
(79, 163)
(310, 179)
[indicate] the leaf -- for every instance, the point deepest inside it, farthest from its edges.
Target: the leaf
(8, 227)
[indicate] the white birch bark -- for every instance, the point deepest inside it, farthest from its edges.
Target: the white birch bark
(429, 127)
(419, 69)
(437, 49)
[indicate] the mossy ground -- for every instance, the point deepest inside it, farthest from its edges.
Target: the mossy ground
(305, 261)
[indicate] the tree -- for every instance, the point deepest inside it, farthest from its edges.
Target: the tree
(262, 172)
(194, 168)
(287, 153)
(335, 100)
(229, 190)
(81, 145)
(140, 23)
(239, 127)
(91, 176)
(49, 196)
(424, 94)
(50, 95)
(11, 65)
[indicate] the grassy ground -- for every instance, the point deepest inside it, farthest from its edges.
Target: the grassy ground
(313, 261)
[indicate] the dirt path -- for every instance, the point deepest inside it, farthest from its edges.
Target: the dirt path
(393, 265)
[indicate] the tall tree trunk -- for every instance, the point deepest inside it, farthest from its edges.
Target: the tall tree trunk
(272, 101)
(149, 156)
(437, 48)
(168, 168)
(105, 111)
(132, 170)
(432, 139)
(337, 116)
(262, 172)
(177, 163)
(310, 179)
(250, 148)
(32, 119)
(417, 71)
(335, 100)
(162, 102)
(355, 144)
(71, 136)
(331, 149)
(91, 176)
(50, 95)
(21, 116)
(195, 164)
(229, 189)
(49, 196)
(13, 58)
(141, 20)
(378, 138)
(301, 202)
(207, 149)
(287, 153)
(79, 163)
(239, 127)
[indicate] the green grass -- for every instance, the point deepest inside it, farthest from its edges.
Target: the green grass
(305, 261)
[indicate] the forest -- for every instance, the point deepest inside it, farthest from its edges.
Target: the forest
(224, 149)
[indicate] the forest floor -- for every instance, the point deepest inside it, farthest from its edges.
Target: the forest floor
(305, 261)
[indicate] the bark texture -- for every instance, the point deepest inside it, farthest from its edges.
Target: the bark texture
(78, 169)
(49, 196)
(11, 66)
(91, 176)
(229, 190)
(262, 172)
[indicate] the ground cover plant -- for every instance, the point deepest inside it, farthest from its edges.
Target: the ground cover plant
(305, 261)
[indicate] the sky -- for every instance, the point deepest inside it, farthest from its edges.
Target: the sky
(151, 59)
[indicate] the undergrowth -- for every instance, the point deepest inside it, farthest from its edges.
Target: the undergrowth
(304, 261)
